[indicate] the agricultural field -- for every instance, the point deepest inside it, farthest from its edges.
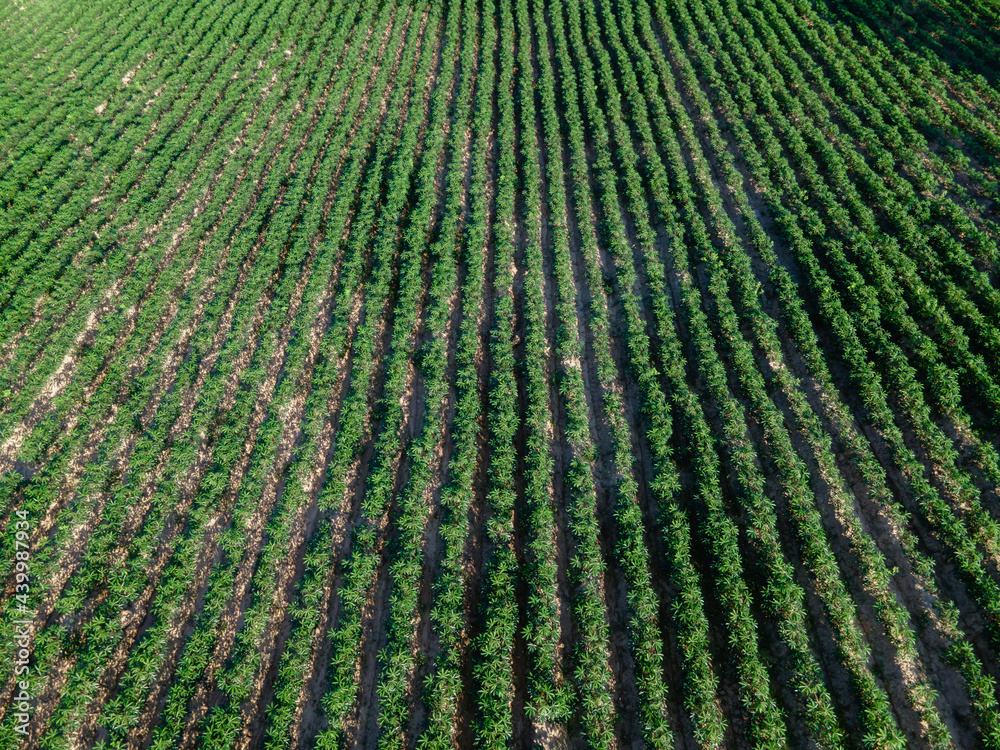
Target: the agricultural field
(499, 373)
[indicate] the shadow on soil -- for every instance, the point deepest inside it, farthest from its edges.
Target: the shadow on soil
(967, 39)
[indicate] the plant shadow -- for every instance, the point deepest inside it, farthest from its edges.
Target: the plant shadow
(963, 34)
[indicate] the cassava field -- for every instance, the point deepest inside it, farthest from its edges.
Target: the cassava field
(499, 373)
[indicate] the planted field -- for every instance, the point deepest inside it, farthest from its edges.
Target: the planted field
(484, 374)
